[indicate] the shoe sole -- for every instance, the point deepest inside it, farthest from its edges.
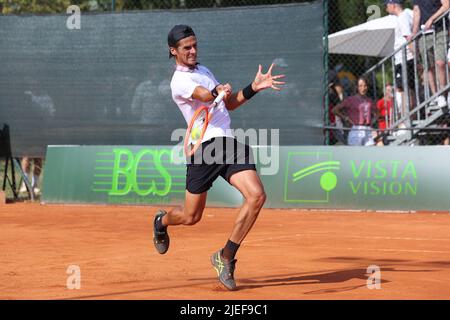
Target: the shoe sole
(160, 251)
(223, 285)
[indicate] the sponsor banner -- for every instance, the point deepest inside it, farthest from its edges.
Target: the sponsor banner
(391, 178)
(122, 175)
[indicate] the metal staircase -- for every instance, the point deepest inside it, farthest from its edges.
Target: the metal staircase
(421, 115)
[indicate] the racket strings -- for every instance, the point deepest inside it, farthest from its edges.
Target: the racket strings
(198, 126)
(200, 120)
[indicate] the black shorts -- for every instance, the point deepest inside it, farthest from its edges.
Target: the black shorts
(221, 156)
(409, 72)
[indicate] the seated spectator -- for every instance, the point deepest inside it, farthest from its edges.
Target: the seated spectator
(37, 168)
(358, 111)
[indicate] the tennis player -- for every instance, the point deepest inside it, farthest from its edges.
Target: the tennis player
(194, 85)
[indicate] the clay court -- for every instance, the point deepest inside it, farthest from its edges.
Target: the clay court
(289, 255)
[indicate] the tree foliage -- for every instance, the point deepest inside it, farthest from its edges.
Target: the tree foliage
(59, 6)
(348, 13)
(344, 14)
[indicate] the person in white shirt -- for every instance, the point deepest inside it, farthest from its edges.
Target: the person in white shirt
(194, 85)
(402, 32)
(433, 43)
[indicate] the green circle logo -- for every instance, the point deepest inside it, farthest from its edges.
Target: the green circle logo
(328, 181)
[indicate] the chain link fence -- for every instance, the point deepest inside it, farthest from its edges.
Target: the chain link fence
(343, 68)
(107, 80)
(359, 55)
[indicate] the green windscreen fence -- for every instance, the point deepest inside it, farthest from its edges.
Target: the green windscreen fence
(108, 83)
(308, 177)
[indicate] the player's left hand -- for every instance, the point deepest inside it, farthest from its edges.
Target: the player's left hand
(267, 80)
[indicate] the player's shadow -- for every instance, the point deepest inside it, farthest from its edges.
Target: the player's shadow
(333, 277)
(388, 262)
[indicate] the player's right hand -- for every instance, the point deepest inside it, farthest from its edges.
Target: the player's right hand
(225, 87)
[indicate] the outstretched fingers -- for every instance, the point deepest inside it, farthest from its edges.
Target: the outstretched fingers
(278, 82)
(275, 83)
(275, 88)
(270, 69)
(278, 76)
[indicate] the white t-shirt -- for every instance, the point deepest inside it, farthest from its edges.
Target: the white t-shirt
(184, 81)
(404, 29)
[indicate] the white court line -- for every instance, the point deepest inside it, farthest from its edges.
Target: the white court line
(346, 237)
(369, 249)
(395, 250)
(381, 249)
(397, 238)
(86, 262)
(273, 238)
(363, 249)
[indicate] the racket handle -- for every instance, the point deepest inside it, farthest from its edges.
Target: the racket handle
(219, 97)
(216, 101)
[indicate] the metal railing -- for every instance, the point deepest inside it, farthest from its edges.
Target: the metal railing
(418, 108)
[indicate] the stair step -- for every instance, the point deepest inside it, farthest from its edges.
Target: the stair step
(434, 107)
(398, 137)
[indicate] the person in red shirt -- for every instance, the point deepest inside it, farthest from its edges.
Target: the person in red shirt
(384, 106)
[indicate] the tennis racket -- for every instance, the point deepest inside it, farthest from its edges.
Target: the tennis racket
(197, 127)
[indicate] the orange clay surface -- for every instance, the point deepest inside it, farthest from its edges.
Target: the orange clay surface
(289, 254)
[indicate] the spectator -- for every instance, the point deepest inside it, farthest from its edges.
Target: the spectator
(42, 110)
(385, 110)
(426, 13)
(402, 32)
(340, 91)
(337, 95)
(384, 106)
(37, 168)
(446, 137)
(346, 78)
(359, 111)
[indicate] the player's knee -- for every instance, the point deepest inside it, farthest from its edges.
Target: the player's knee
(257, 199)
(262, 199)
(191, 220)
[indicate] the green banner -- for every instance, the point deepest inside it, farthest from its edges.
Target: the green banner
(121, 175)
(394, 178)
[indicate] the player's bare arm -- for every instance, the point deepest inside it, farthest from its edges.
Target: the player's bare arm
(261, 82)
(205, 95)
